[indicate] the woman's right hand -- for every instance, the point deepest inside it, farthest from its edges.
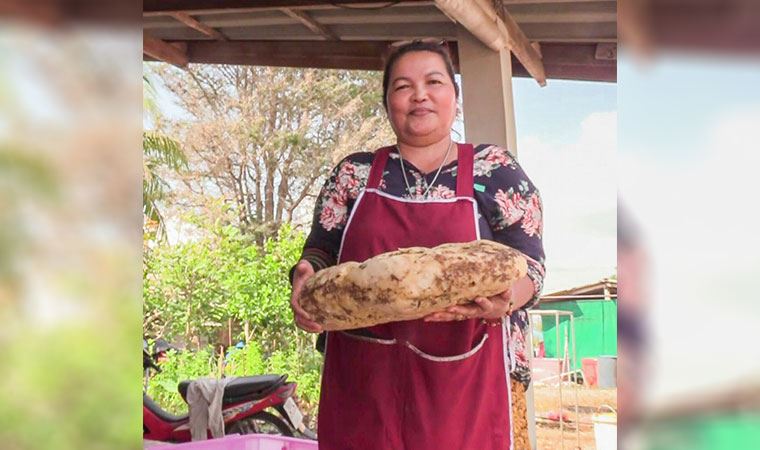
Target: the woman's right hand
(303, 272)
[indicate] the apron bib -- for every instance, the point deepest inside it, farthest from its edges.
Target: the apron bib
(414, 385)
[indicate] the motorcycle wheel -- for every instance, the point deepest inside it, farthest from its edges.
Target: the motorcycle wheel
(263, 423)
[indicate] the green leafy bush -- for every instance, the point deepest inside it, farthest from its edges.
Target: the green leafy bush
(179, 366)
(303, 368)
(223, 288)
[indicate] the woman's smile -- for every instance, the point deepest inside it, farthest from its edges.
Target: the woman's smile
(421, 111)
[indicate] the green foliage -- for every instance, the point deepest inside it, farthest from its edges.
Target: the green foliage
(179, 366)
(246, 361)
(193, 291)
(258, 142)
(159, 152)
(302, 367)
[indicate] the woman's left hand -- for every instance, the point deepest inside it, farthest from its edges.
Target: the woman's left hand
(489, 308)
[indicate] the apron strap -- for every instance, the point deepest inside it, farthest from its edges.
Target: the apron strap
(464, 170)
(378, 165)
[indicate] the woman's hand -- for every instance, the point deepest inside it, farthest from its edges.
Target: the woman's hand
(303, 272)
(490, 308)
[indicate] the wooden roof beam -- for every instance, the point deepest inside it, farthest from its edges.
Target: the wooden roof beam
(606, 51)
(163, 7)
(521, 46)
(497, 30)
(163, 51)
(311, 24)
(193, 23)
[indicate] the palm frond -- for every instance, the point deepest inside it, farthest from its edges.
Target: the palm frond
(149, 97)
(163, 150)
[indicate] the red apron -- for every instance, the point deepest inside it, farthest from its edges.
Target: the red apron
(414, 385)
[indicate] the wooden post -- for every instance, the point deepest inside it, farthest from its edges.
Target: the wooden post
(530, 407)
(561, 405)
(489, 114)
(229, 332)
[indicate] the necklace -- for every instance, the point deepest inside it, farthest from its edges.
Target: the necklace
(403, 170)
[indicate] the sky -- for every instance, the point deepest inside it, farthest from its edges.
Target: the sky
(685, 164)
(688, 173)
(566, 143)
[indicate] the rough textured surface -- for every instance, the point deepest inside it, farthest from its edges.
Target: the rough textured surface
(519, 417)
(409, 283)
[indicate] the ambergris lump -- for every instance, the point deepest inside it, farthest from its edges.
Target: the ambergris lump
(409, 283)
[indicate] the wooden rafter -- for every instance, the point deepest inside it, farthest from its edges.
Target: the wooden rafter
(497, 30)
(537, 47)
(355, 55)
(520, 45)
(163, 7)
(193, 23)
(561, 61)
(163, 51)
(311, 24)
(606, 51)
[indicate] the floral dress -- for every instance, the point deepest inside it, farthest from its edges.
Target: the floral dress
(509, 209)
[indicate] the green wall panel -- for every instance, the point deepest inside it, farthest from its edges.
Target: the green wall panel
(595, 328)
(728, 431)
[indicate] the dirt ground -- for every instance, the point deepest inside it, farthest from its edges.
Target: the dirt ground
(547, 405)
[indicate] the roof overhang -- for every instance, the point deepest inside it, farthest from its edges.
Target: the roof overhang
(573, 39)
(600, 289)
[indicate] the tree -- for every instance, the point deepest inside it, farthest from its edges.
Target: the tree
(194, 291)
(261, 138)
(159, 152)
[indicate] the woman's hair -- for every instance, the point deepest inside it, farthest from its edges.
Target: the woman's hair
(438, 48)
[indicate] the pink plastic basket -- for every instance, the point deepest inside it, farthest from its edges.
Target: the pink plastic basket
(243, 442)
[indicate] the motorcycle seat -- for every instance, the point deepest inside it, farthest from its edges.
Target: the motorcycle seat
(244, 388)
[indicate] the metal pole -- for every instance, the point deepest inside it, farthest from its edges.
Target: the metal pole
(561, 405)
(575, 386)
(530, 408)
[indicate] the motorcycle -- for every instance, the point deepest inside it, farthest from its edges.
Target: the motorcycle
(246, 406)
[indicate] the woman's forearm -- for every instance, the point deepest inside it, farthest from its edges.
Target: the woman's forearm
(522, 292)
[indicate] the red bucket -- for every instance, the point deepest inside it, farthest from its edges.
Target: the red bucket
(590, 368)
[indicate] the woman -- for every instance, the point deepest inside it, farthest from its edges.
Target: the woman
(440, 382)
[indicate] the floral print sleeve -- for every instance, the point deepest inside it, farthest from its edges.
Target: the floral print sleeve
(512, 207)
(333, 206)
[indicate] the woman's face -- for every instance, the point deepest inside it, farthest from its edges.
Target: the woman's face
(421, 99)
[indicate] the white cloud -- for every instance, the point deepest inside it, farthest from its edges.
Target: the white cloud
(578, 187)
(700, 218)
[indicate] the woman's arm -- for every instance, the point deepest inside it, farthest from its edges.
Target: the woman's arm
(512, 206)
(330, 216)
(523, 291)
(490, 308)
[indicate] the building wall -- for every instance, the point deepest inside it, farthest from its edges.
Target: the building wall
(595, 328)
